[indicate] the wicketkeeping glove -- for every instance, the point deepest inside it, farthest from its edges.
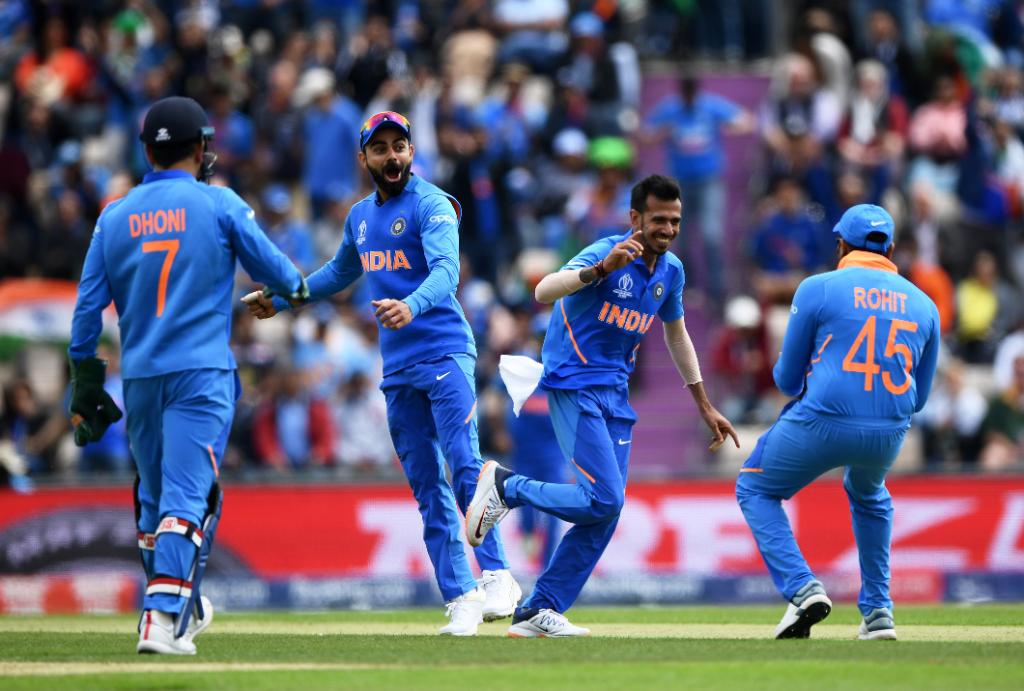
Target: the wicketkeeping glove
(92, 408)
(299, 297)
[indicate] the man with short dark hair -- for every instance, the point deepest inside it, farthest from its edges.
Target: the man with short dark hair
(166, 254)
(605, 299)
(859, 354)
(404, 237)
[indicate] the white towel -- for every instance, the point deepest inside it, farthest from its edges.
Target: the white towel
(521, 375)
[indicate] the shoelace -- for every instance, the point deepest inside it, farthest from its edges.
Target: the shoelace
(451, 607)
(495, 511)
(550, 619)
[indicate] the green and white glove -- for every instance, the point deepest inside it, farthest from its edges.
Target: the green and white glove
(92, 408)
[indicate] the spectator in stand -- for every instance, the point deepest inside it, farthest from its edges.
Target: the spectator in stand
(741, 358)
(1003, 428)
(330, 148)
(54, 70)
(938, 139)
(590, 67)
(555, 181)
(597, 211)
(234, 131)
(1010, 348)
(293, 430)
(885, 44)
(987, 308)
(692, 123)
(532, 31)
(289, 234)
(278, 123)
(873, 135)
(36, 430)
(951, 421)
(375, 60)
(800, 119)
(785, 245)
(360, 415)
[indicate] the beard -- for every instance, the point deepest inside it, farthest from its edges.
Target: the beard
(654, 243)
(391, 178)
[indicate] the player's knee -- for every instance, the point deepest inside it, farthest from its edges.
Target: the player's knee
(609, 506)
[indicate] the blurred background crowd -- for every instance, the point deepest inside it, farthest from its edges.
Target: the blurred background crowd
(538, 115)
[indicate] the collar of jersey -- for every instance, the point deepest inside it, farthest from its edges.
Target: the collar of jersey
(866, 260)
(156, 175)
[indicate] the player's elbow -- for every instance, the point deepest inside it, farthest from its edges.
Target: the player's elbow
(542, 296)
(790, 386)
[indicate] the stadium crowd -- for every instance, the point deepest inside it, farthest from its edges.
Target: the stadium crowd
(530, 113)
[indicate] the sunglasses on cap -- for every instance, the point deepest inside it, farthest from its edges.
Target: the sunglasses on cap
(374, 122)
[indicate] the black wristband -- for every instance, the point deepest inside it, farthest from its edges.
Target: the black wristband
(599, 269)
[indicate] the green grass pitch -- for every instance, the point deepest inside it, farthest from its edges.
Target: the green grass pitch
(946, 647)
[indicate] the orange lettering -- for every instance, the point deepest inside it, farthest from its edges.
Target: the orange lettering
(604, 311)
(400, 261)
(376, 261)
(646, 326)
(135, 225)
(147, 222)
(366, 262)
(617, 315)
(633, 320)
(858, 298)
(160, 221)
(874, 298)
(903, 303)
(173, 222)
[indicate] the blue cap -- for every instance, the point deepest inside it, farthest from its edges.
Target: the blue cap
(586, 24)
(388, 118)
(276, 198)
(861, 221)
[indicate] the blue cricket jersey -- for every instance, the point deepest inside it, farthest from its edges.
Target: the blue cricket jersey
(408, 247)
(165, 254)
(861, 343)
(594, 333)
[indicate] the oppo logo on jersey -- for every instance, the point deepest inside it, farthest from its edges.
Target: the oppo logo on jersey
(625, 318)
(157, 222)
(386, 260)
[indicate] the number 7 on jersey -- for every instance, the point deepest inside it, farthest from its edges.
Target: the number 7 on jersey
(171, 248)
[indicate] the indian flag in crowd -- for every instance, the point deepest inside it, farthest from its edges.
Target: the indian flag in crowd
(36, 309)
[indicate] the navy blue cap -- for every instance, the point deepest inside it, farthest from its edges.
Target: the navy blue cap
(175, 120)
(388, 118)
(861, 221)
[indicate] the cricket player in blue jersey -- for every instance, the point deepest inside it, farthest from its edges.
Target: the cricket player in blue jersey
(165, 254)
(405, 238)
(606, 299)
(859, 354)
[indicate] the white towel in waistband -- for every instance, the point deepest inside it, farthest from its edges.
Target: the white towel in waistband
(521, 375)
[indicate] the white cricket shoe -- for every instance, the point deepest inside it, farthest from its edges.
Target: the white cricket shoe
(465, 614)
(196, 625)
(877, 626)
(503, 594)
(156, 635)
(545, 623)
(487, 507)
(809, 606)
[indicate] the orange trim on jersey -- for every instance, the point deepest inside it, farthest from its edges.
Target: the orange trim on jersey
(585, 473)
(818, 358)
(213, 461)
(572, 338)
(751, 470)
(470, 416)
(866, 260)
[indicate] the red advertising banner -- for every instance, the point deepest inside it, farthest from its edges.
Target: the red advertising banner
(276, 531)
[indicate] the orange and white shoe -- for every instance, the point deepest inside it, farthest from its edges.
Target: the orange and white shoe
(488, 506)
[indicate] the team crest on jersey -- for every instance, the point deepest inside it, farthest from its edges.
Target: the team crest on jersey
(398, 227)
(659, 290)
(625, 287)
(361, 233)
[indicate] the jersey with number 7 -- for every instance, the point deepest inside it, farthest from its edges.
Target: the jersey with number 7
(165, 254)
(862, 343)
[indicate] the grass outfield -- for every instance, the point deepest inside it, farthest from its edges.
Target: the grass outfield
(667, 647)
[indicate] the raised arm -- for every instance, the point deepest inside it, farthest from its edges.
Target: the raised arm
(587, 268)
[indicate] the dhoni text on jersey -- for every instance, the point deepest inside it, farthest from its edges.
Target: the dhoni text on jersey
(157, 222)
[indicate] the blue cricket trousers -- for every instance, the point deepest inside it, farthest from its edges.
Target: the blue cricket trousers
(790, 455)
(178, 427)
(432, 418)
(594, 429)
